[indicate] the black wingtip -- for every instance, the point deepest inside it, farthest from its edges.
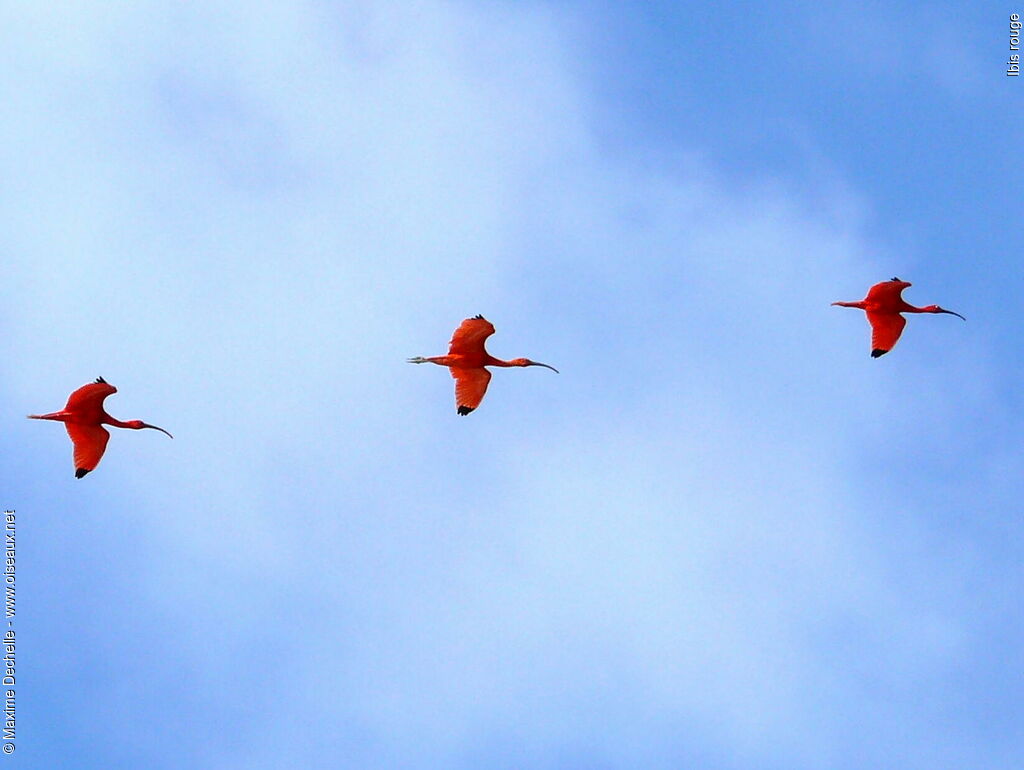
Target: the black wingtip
(464, 410)
(79, 472)
(100, 381)
(878, 352)
(478, 317)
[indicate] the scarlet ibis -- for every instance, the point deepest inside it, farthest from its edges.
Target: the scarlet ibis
(84, 417)
(883, 305)
(466, 360)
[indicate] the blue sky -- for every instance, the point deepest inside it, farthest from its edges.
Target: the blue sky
(723, 537)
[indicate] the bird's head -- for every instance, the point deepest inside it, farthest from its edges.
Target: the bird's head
(528, 362)
(139, 425)
(937, 309)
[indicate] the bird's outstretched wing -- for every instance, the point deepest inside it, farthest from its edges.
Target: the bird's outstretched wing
(90, 442)
(470, 386)
(887, 291)
(886, 328)
(470, 336)
(88, 399)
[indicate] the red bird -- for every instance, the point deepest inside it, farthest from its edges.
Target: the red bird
(466, 360)
(84, 417)
(883, 305)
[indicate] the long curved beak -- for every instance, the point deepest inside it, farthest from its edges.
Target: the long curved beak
(154, 427)
(534, 363)
(952, 313)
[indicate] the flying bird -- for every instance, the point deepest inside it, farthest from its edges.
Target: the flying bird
(883, 306)
(466, 360)
(84, 417)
